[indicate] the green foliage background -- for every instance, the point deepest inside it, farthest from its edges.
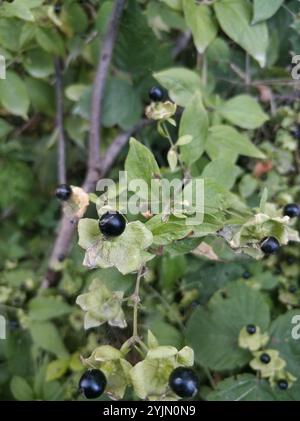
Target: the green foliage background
(241, 106)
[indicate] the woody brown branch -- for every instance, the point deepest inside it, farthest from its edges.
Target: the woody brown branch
(95, 168)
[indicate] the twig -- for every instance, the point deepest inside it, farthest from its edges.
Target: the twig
(181, 44)
(67, 227)
(61, 149)
(136, 301)
(99, 83)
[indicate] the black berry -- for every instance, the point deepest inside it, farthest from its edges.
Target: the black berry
(63, 192)
(270, 245)
(112, 224)
(292, 210)
(265, 358)
(251, 329)
(184, 382)
(246, 275)
(156, 94)
(282, 384)
(92, 384)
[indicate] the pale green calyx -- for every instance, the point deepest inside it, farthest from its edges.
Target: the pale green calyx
(102, 305)
(276, 364)
(150, 377)
(126, 252)
(248, 237)
(254, 341)
(116, 369)
(161, 110)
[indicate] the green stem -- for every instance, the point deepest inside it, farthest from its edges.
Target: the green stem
(136, 300)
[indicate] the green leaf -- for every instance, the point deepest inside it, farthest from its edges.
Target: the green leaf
(56, 369)
(194, 122)
(50, 40)
(121, 104)
(18, 8)
(46, 336)
(224, 172)
(172, 269)
(265, 9)
(20, 389)
(38, 63)
(247, 387)
(126, 252)
(243, 111)
(235, 18)
(166, 232)
(281, 338)
(172, 159)
(174, 4)
(41, 95)
(213, 331)
(181, 83)
(5, 128)
(225, 142)
(13, 95)
(140, 163)
(202, 23)
(263, 200)
(10, 32)
(46, 308)
(137, 50)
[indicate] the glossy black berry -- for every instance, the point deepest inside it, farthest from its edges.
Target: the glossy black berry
(184, 382)
(156, 94)
(282, 384)
(270, 245)
(63, 192)
(292, 210)
(265, 358)
(112, 224)
(92, 384)
(251, 329)
(246, 275)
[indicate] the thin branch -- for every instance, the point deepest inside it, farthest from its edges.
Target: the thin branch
(99, 83)
(61, 149)
(181, 43)
(67, 226)
(136, 301)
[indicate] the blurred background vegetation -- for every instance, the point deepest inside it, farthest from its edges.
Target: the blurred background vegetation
(45, 336)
